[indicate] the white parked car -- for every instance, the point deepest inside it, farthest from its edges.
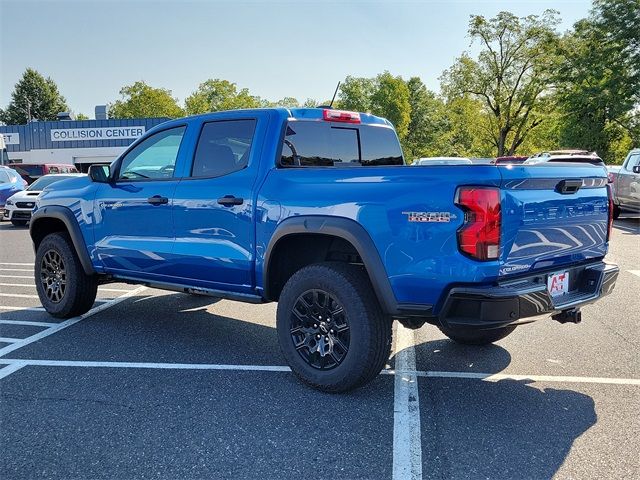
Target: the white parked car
(18, 207)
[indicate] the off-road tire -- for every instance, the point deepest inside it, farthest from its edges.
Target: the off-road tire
(369, 328)
(472, 336)
(18, 223)
(81, 289)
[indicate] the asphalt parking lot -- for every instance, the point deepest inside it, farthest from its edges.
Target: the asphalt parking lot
(153, 384)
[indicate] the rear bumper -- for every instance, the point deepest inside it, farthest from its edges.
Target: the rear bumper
(525, 299)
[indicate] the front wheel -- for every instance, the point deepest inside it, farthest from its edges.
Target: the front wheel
(65, 290)
(330, 326)
(472, 336)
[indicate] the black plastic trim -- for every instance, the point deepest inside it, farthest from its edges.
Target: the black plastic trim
(348, 230)
(68, 218)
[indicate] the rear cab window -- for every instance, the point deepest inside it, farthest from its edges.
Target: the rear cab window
(327, 144)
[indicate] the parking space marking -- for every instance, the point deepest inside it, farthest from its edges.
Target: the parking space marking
(30, 277)
(12, 367)
(17, 295)
(17, 285)
(407, 443)
(20, 309)
(27, 322)
(17, 264)
(69, 322)
(635, 272)
(9, 340)
(15, 270)
(149, 365)
(495, 377)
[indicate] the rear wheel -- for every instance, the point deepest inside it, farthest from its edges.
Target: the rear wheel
(472, 336)
(331, 329)
(19, 223)
(65, 290)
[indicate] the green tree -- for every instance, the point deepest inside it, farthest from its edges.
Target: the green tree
(598, 82)
(81, 116)
(141, 100)
(216, 94)
(355, 94)
(384, 95)
(285, 102)
(33, 97)
(390, 100)
(510, 75)
(427, 121)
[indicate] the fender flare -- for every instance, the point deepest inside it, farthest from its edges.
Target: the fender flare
(344, 228)
(67, 217)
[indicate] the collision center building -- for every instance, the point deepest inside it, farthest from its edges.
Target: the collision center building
(73, 142)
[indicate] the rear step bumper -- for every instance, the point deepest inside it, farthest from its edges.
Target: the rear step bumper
(523, 300)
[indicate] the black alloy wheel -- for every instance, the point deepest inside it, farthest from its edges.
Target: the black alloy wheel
(53, 276)
(319, 329)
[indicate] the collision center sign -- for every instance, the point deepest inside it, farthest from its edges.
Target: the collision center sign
(88, 134)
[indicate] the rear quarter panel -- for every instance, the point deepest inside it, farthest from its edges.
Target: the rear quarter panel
(421, 258)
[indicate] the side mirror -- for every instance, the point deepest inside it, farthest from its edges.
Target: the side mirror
(100, 173)
(636, 169)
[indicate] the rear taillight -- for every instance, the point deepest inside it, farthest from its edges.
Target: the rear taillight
(610, 219)
(479, 236)
(341, 116)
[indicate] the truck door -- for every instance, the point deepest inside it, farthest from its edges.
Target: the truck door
(214, 206)
(134, 231)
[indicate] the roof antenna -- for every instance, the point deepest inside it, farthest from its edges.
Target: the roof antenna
(334, 95)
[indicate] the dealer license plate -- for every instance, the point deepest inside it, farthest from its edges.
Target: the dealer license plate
(558, 284)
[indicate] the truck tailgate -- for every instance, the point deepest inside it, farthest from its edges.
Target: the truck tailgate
(545, 224)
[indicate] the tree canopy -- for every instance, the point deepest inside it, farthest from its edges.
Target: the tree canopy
(34, 97)
(141, 100)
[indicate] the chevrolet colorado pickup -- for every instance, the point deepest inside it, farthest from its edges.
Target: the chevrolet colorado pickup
(316, 210)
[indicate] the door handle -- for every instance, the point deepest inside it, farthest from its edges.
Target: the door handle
(157, 200)
(230, 200)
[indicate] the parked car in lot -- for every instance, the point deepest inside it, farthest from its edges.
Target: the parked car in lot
(315, 209)
(567, 156)
(18, 207)
(33, 171)
(625, 183)
(10, 183)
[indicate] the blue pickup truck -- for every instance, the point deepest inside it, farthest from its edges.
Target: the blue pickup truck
(315, 209)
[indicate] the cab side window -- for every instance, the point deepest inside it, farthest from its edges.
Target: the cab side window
(634, 160)
(223, 148)
(154, 158)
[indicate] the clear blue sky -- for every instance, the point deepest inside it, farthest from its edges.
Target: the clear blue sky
(274, 48)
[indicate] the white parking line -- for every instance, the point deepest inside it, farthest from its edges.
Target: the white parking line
(15, 270)
(18, 309)
(69, 322)
(635, 272)
(30, 277)
(9, 340)
(17, 264)
(17, 295)
(407, 443)
(27, 322)
(495, 377)
(12, 367)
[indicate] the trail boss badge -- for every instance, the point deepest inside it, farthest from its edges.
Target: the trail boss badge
(430, 217)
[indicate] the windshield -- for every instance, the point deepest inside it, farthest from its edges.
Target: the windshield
(47, 180)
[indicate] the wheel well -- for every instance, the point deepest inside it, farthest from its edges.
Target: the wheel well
(298, 250)
(44, 227)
